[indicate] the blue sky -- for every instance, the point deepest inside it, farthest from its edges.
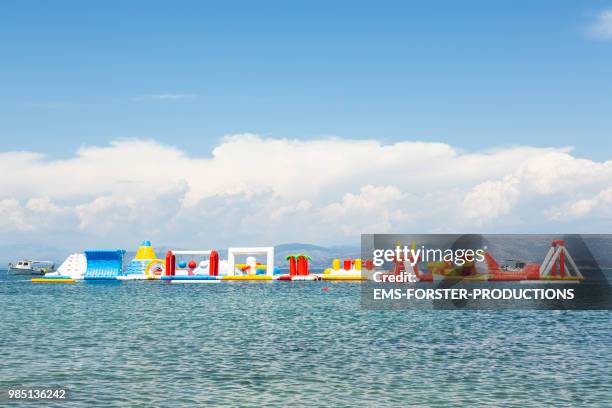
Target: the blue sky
(474, 74)
(201, 124)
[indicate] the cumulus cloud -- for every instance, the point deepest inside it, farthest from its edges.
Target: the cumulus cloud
(491, 199)
(12, 217)
(598, 206)
(374, 209)
(254, 190)
(285, 211)
(601, 27)
(540, 180)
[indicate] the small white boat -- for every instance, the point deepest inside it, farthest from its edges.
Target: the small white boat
(29, 267)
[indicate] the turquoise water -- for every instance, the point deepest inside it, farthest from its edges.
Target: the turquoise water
(279, 343)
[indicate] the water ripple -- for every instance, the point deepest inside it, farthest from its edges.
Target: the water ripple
(273, 343)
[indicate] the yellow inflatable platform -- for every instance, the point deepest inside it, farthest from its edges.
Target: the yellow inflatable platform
(52, 280)
(352, 271)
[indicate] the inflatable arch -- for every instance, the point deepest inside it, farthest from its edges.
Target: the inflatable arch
(267, 251)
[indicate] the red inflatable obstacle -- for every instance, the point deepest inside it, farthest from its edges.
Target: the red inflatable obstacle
(192, 267)
(302, 265)
(170, 263)
(298, 268)
(557, 265)
(214, 263)
(292, 265)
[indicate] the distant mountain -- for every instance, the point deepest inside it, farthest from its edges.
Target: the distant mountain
(321, 256)
(17, 252)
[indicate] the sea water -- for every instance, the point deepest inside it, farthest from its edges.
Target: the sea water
(148, 343)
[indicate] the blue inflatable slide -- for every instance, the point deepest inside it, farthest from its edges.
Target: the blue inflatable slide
(104, 264)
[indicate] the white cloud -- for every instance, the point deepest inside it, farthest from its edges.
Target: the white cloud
(43, 205)
(374, 209)
(285, 211)
(490, 200)
(598, 206)
(601, 27)
(12, 217)
(255, 190)
(539, 180)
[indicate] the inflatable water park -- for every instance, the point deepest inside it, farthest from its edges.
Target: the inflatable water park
(557, 266)
(257, 264)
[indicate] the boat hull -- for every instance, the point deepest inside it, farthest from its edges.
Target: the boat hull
(19, 271)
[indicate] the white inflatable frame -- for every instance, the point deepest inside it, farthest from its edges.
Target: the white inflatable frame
(268, 251)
